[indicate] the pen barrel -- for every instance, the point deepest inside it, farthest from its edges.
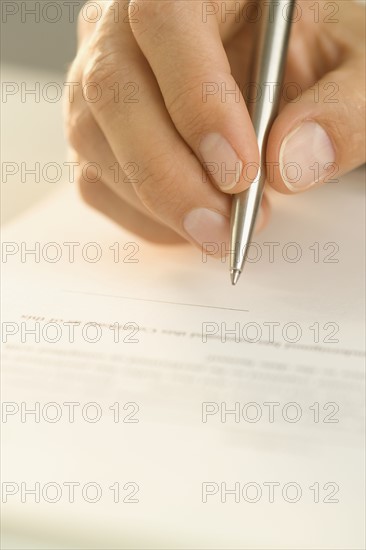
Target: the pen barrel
(268, 67)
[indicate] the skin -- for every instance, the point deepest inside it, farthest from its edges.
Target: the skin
(167, 50)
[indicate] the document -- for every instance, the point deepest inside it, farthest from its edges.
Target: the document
(147, 403)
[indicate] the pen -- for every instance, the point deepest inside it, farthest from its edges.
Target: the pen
(266, 77)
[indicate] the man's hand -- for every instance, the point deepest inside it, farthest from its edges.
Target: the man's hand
(161, 110)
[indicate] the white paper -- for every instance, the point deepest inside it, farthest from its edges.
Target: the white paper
(180, 309)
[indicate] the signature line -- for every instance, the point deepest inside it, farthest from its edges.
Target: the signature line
(155, 301)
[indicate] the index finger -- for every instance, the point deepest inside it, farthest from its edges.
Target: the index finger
(186, 54)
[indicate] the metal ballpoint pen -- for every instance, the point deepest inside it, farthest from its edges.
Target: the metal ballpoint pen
(266, 78)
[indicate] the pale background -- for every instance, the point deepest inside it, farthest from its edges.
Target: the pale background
(32, 131)
(32, 52)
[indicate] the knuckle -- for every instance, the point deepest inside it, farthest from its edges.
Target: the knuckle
(78, 129)
(190, 92)
(74, 137)
(104, 77)
(156, 187)
(103, 57)
(99, 78)
(100, 67)
(89, 191)
(186, 109)
(86, 191)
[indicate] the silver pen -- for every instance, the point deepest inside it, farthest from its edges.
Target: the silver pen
(267, 76)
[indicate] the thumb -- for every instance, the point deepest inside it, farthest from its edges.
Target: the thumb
(322, 135)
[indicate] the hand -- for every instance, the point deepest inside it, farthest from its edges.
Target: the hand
(161, 112)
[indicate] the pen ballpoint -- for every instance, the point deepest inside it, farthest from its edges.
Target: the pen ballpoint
(266, 81)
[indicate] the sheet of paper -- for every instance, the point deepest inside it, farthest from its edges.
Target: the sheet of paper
(216, 416)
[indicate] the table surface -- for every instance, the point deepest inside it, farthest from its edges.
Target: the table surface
(32, 132)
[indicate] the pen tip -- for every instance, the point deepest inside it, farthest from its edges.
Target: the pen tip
(235, 274)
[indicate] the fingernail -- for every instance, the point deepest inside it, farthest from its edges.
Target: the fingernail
(304, 156)
(220, 161)
(208, 228)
